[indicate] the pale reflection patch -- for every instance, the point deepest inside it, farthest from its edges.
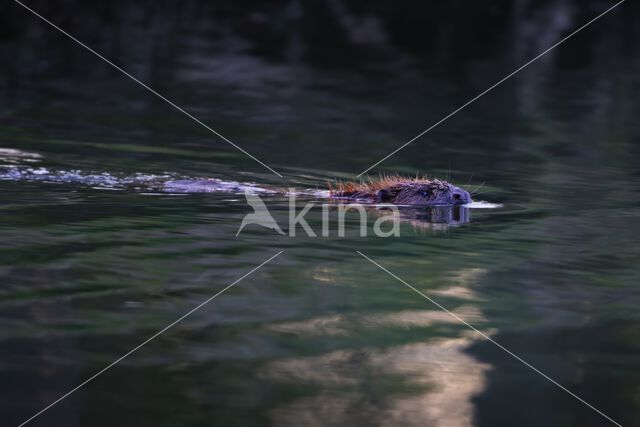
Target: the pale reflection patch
(426, 383)
(445, 378)
(328, 326)
(341, 325)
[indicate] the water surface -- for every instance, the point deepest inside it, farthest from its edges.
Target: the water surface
(320, 336)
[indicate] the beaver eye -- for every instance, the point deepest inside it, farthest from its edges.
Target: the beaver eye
(457, 196)
(424, 193)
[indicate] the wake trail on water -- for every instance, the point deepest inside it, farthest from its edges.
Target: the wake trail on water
(16, 165)
(166, 182)
(100, 179)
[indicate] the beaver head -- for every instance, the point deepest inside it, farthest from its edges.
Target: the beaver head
(426, 193)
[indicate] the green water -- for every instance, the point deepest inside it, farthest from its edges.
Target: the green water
(319, 336)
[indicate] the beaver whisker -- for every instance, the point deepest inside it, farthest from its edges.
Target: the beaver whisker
(471, 177)
(474, 191)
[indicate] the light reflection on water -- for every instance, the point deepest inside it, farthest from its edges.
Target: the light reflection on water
(431, 382)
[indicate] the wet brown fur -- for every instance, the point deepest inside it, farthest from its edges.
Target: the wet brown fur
(371, 187)
(396, 189)
(375, 184)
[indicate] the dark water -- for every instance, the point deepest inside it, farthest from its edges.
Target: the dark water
(320, 336)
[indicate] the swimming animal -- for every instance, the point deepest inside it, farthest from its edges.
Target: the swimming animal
(389, 189)
(398, 190)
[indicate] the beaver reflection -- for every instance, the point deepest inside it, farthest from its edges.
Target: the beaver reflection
(432, 217)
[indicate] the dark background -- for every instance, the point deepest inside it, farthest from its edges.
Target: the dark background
(321, 90)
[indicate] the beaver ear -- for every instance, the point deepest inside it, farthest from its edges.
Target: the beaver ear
(384, 195)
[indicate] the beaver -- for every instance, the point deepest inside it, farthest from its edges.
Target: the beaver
(390, 189)
(400, 190)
